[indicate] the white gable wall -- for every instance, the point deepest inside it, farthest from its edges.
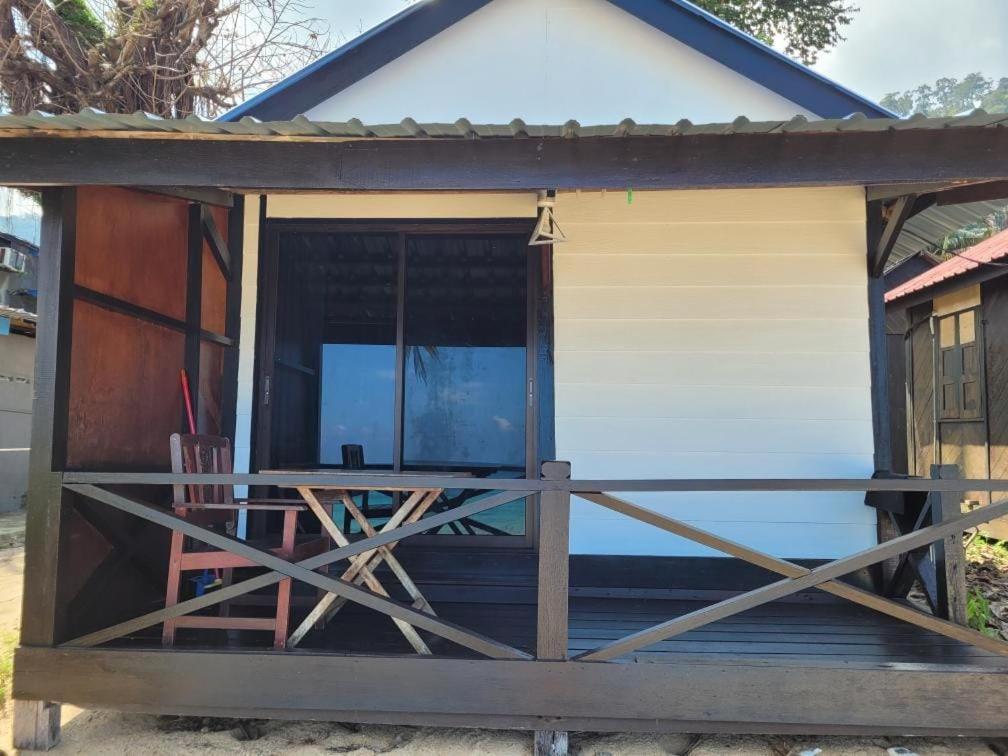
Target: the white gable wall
(547, 61)
(716, 334)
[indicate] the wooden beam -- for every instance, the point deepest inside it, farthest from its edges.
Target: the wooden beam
(949, 554)
(527, 486)
(694, 695)
(313, 563)
(41, 612)
(661, 162)
(787, 587)
(898, 213)
(218, 247)
(200, 195)
(789, 569)
(987, 191)
(554, 566)
(878, 362)
(193, 309)
(232, 317)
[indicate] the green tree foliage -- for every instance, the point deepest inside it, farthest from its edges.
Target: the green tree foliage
(807, 27)
(950, 96)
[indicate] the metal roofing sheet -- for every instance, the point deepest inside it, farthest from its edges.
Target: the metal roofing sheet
(988, 252)
(926, 229)
(91, 120)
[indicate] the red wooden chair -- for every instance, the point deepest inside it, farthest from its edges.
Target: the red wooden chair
(214, 506)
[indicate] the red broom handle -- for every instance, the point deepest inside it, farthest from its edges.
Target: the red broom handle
(187, 396)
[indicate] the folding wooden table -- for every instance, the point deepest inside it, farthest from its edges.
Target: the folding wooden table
(417, 500)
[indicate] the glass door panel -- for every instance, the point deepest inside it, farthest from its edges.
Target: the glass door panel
(464, 372)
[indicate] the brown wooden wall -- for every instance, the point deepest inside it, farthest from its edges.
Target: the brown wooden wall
(129, 333)
(994, 309)
(137, 319)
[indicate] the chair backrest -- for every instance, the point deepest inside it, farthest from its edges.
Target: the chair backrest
(194, 454)
(353, 456)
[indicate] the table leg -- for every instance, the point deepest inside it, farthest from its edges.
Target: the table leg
(419, 601)
(411, 510)
(366, 574)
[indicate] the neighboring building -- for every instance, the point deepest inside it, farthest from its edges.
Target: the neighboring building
(18, 292)
(955, 337)
(355, 300)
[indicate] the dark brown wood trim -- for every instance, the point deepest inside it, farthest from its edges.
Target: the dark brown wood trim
(232, 318)
(40, 610)
(123, 307)
(695, 696)
(400, 356)
(219, 250)
(194, 300)
(200, 195)
(408, 226)
(987, 191)
(674, 162)
(554, 566)
(433, 480)
(878, 352)
(879, 251)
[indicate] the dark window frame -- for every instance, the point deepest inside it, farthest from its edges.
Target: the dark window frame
(961, 378)
(539, 416)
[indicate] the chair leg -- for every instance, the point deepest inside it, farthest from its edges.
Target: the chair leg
(284, 587)
(174, 584)
(227, 577)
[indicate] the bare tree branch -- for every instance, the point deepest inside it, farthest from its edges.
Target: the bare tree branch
(171, 58)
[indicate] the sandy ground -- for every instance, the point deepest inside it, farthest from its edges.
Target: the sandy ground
(107, 733)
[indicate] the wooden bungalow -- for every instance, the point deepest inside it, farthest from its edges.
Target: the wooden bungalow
(955, 335)
(392, 333)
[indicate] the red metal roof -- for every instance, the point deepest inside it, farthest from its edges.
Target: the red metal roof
(987, 251)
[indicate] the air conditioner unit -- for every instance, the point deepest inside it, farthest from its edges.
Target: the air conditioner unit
(12, 260)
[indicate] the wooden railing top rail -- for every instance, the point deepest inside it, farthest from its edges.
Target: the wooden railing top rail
(434, 480)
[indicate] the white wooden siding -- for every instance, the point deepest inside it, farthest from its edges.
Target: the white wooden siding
(716, 334)
(547, 61)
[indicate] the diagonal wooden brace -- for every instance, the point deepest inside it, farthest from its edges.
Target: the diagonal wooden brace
(301, 571)
(799, 578)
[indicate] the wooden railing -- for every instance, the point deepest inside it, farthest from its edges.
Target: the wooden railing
(555, 489)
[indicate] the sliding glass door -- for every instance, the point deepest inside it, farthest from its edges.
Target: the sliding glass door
(406, 350)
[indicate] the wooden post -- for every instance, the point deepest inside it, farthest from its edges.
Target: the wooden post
(949, 554)
(550, 743)
(36, 725)
(554, 580)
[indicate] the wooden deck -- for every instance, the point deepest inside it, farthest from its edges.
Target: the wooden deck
(792, 631)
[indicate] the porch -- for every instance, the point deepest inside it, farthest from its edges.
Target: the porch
(603, 599)
(530, 644)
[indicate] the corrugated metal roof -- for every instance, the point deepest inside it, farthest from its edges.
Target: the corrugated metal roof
(927, 228)
(986, 252)
(91, 120)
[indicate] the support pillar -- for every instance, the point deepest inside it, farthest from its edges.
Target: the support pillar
(36, 725)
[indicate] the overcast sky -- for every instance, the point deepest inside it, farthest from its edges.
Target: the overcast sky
(891, 45)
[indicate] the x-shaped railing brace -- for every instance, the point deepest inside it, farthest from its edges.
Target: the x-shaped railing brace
(303, 571)
(797, 579)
